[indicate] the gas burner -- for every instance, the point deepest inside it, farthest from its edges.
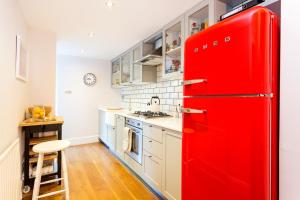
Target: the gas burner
(150, 114)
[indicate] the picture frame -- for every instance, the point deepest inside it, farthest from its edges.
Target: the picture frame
(21, 60)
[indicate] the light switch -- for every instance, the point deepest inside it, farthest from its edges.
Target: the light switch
(68, 91)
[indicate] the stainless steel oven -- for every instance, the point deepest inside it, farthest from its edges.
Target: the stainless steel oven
(136, 152)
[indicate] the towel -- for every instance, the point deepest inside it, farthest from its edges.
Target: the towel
(127, 139)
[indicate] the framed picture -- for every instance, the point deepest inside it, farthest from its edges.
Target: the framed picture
(21, 60)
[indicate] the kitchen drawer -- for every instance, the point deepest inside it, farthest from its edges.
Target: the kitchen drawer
(153, 171)
(153, 147)
(153, 132)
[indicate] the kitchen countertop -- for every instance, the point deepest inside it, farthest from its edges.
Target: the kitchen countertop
(171, 123)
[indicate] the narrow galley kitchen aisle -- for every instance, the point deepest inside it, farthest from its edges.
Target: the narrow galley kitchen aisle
(95, 174)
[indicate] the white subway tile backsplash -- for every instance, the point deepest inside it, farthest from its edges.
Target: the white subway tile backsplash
(156, 90)
(174, 95)
(163, 90)
(174, 83)
(178, 89)
(170, 89)
(169, 92)
(169, 101)
(166, 95)
(166, 107)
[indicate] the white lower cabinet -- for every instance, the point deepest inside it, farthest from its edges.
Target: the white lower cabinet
(161, 166)
(162, 160)
(153, 147)
(153, 170)
(120, 124)
(111, 138)
(172, 166)
(102, 127)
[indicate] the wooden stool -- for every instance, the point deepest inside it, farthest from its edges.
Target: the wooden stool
(50, 147)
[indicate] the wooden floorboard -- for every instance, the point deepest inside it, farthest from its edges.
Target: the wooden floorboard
(94, 174)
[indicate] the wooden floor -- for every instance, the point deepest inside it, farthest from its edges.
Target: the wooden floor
(95, 174)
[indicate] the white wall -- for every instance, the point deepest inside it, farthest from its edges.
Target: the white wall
(80, 107)
(14, 93)
(42, 62)
(290, 101)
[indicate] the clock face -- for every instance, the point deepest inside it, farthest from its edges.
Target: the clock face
(89, 79)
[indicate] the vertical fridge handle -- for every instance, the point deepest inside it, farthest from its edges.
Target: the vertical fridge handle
(194, 81)
(193, 111)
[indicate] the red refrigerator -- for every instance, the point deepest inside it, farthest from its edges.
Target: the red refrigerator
(230, 115)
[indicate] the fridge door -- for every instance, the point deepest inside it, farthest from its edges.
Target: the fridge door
(227, 149)
(235, 56)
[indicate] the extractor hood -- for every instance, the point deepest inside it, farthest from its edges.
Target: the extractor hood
(152, 51)
(152, 59)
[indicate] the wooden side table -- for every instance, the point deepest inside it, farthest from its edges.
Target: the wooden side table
(29, 129)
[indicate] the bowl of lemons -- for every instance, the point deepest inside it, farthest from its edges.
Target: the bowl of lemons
(40, 113)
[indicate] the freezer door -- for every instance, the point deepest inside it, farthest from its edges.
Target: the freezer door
(226, 149)
(236, 56)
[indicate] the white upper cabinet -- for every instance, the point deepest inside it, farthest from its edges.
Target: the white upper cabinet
(138, 66)
(173, 44)
(116, 73)
(126, 68)
(197, 19)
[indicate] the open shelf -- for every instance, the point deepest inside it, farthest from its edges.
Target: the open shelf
(46, 157)
(34, 141)
(174, 52)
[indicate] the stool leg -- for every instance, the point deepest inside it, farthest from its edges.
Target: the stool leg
(65, 174)
(38, 175)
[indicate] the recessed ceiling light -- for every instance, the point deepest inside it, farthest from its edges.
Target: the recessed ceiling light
(91, 34)
(109, 4)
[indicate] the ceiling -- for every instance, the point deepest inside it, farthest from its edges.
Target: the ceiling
(116, 29)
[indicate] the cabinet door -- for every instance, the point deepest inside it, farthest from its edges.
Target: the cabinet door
(172, 173)
(153, 132)
(119, 136)
(153, 170)
(116, 73)
(197, 19)
(126, 67)
(173, 48)
(111, 138)
(102, 127)
(137, 68)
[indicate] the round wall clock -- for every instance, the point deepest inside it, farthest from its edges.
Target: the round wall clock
(89, 79)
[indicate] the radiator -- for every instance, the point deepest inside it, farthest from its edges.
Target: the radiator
(10, 173)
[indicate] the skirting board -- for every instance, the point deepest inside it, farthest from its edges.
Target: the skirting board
(83, 140)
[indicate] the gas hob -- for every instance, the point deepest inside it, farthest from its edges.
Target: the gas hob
(149, 114)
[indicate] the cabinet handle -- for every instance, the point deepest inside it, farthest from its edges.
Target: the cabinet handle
(191, 82)
(150, 157)
(193, 111)
(163, 130)
(150, 125)
(150, 140)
